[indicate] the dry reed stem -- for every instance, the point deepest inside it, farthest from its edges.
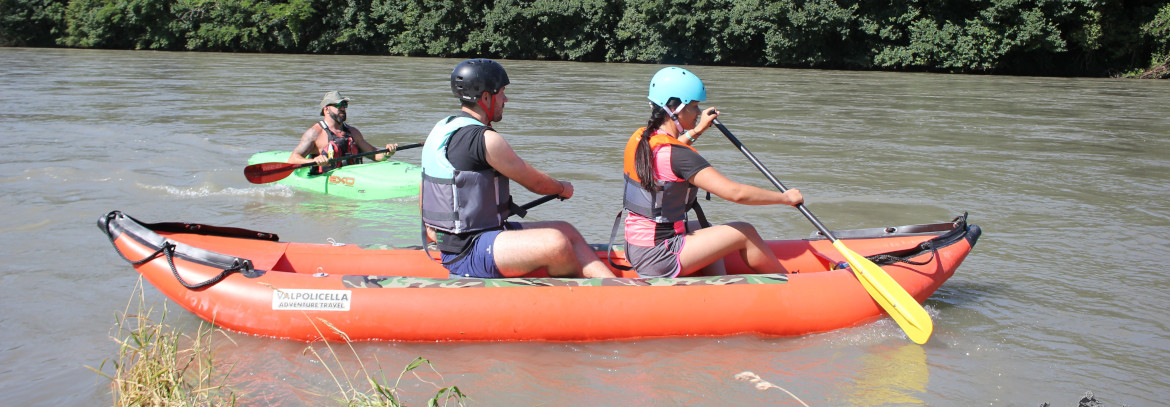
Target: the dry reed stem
(763, 385)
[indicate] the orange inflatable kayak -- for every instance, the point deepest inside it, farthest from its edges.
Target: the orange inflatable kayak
(251, 282)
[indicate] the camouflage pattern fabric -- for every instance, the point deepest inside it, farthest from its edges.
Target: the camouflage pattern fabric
(418, 282)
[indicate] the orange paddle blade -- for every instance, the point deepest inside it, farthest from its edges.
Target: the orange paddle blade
(264, 173)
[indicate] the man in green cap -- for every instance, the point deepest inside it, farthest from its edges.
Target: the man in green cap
(331, 138)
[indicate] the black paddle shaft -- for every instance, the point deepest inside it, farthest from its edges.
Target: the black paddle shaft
(368, 153)
(271, 172)
(522, 210)
(760, 166)
(292, 167)
(539, 201)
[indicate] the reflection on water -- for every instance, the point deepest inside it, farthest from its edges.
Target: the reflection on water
(896, 375)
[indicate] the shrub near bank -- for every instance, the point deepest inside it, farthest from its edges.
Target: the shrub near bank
(1048, 37)
(1158, 32)
(159, 365)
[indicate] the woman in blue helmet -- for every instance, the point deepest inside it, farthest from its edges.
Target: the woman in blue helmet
(663, 174)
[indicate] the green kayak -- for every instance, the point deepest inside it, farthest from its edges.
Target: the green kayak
(368, 181)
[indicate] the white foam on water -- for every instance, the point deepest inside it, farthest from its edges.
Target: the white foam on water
(872, 333)
(279, 191)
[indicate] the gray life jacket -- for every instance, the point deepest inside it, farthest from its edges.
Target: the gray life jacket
(457, 201)
(670, 204)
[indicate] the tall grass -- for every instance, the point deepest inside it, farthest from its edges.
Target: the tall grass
(157, 365)
(378, 393)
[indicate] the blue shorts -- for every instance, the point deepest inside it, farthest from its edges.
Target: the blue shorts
(479, 262)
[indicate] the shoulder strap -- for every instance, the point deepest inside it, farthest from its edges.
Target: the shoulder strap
(609, 249)
(700, 216)
(344, 129)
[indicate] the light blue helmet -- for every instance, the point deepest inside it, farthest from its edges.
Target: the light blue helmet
(677, 83)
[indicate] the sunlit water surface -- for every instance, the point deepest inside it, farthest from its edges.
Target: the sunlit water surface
(1065, 293)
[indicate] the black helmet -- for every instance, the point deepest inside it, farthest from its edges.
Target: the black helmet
(472, 77)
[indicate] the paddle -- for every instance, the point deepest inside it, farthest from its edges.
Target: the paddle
(264, 173)
(907, 312)
(522, 210)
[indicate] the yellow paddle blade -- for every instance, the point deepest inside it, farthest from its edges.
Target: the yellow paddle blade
(906, 311)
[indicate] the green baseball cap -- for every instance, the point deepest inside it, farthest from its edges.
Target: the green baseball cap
(331, 98)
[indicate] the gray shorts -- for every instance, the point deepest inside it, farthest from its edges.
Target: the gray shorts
(658, 261)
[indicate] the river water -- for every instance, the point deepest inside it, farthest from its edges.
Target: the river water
(1065, 293)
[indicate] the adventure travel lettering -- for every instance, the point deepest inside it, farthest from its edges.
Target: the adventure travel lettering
(311, 300)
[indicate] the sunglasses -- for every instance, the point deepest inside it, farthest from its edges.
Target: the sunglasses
(341, 105)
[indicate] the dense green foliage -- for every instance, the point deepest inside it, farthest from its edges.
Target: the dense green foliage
(1050, 37)
(1158, 32)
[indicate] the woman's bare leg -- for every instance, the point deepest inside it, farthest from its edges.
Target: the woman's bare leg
(709, 245)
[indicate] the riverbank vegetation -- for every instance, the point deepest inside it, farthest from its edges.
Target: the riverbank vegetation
(1034, 37)
(158, 365)
(1037, 37)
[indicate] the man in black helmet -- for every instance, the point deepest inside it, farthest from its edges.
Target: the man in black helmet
(467, 167)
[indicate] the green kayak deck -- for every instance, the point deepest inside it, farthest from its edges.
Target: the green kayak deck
(368, 181)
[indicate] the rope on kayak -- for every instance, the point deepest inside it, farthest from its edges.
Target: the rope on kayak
(169, 249)
(958, 232)
(238, 266)
(112, 215)
(148, 257)
(885, 259)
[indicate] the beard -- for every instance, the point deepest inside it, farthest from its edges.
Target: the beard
(338, 117)
(498, 114)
